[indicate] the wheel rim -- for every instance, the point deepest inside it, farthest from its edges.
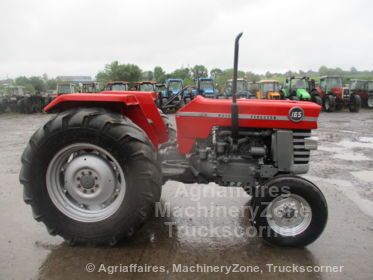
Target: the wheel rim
(85, 182)
(289, 215)
(370, 102)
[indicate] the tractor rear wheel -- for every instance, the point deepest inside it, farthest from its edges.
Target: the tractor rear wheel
(289, 211)
(90, 176)
(355, 103)
(170, 127)
(21, 106)
(317, 99)
(329, 103)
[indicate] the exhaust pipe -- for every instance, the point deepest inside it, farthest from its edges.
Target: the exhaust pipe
(234, 114)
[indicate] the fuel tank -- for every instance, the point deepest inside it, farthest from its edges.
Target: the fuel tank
(196, 119)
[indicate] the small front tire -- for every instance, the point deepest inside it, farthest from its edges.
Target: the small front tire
(289, 211)
(370, 101)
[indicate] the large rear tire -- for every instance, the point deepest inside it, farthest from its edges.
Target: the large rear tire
(289, 211)
(21, 106)
(90, 176)
(170, 127)
(355, 103)
(329, 103)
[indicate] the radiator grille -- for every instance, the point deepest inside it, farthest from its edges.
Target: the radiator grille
(301, 155)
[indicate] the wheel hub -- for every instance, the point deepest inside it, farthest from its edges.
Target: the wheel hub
(290, 215)
(85, 182)
(90, 180)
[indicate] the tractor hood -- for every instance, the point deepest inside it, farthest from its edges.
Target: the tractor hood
(303, 94)
(206, 113)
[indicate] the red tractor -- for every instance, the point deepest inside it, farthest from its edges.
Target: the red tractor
(148, 86)
(334, 96)
(360, 87)
(118, 86)
(93, 172)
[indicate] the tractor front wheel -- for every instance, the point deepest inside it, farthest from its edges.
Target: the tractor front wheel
(355, 103)
(289, 211)
(90, 176)
(329, 103)
(370, 101)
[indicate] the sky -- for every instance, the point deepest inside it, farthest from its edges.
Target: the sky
(73, 37)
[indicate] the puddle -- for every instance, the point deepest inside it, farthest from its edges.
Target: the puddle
(348, 131)
(365, 205)
(362, 144)
(366, 139)
(364, 175)
(351, 156)
(344, 149)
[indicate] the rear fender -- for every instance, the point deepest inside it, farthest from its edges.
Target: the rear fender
(139, 107)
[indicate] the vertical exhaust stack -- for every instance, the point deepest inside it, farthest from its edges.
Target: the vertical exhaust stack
(234, 115)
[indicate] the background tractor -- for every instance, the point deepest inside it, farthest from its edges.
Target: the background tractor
(66, 88)
(16, 99)
(205, 87)
(150, 86)
(174, 95)
(93, 172)
(360, 87)
(253, 88)
(242, 89)
(268, 89)
(117, 86)
(89, 87)
(334, 96)
(296, 88)
(370, 94)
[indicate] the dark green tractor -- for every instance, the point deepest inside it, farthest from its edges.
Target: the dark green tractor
(297, 88)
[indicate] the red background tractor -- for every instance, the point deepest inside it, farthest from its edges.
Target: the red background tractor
(334, 96)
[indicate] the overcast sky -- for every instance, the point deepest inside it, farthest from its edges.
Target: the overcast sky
(72, 37)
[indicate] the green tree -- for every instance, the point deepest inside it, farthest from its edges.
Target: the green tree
(215, 72)
(51, 84)
(147, 75)
(199, 71)
(119, 72)
(159, 74)
(323, 70)
(25, 82)
(182, 73)
(38, 83)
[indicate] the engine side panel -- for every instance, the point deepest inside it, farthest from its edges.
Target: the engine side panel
(196, 119)
(137, 106)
